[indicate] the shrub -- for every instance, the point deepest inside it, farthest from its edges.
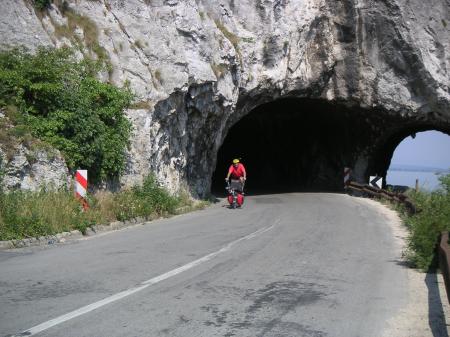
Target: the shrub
(42, 4)
(145, 200)
(61, 102)
(425, 226)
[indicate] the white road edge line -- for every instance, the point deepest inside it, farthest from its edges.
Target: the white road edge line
(88, 308)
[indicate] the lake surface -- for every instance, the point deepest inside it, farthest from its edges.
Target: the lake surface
(427, 180)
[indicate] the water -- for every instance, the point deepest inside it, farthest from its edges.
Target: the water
(427, 180)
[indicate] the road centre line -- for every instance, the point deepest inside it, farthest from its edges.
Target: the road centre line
(143, 285)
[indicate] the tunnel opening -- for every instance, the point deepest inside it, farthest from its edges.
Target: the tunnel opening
(292, 145)
(383, 157)
(419, 160)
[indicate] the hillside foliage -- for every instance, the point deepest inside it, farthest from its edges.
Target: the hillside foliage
(432, 218)
(42, 4)
(58, 99)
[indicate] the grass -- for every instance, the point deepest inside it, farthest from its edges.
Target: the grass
(33, 214)
(90, 32)
(233, 38)
(219, 70)
(248, 39)
(25, 214)
(424, 227)
(7, 139)
(14, 134)
(158, 76)
(147, 105)
(139, 44)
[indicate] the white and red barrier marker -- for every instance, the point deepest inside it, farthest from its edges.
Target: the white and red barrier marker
(347, 174)
(81, 187)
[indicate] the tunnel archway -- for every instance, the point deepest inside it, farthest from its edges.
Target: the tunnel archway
(419, 158)
(293, 144)
(383, 155)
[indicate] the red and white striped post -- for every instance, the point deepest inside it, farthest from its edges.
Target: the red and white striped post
(81, 187)
(347, 174)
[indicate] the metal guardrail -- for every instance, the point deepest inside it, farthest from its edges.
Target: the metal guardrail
(444, 261)
(381, 193)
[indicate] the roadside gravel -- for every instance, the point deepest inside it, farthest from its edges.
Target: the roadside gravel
(427, 313)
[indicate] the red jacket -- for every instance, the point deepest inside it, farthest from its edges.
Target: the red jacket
(236, 173)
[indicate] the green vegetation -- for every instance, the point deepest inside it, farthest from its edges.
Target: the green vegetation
(248, 39)
(141, 201)
(52, 100)
(52, 96)
(139, 44)
(147, 105)
(233, 38)
(42, 4)
(219, 69)
(158, 76)
(425, 226)
(89, 38)
(31, 214)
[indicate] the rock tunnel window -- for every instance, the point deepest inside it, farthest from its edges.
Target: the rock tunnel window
(290, 145)
(419, 160)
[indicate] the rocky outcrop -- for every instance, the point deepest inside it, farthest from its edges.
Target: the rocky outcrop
(198, 67)
(27, 163)
(33, 169)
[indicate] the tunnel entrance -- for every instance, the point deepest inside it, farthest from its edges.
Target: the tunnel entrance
(291, 145)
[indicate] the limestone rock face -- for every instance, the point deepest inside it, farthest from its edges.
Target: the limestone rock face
(32, 169)
(198, 66)
(29, 166)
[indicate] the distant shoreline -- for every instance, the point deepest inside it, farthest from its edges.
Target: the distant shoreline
(427, 180)
(407, 168)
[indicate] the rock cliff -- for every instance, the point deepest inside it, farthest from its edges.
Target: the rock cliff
(29, 165)
(199, 66)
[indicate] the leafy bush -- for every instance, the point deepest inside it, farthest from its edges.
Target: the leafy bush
(61, 102)
(426, 225)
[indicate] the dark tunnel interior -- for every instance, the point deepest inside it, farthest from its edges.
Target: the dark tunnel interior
(291, 145)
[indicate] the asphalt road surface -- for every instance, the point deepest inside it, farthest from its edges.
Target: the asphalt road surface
(284, 265)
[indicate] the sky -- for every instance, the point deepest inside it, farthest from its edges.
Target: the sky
(429, 149)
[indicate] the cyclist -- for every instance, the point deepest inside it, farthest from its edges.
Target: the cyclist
(237, 172)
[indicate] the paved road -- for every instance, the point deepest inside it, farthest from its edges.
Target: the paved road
(285, 265)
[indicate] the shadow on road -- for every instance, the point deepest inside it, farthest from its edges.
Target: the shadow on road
(436, 318)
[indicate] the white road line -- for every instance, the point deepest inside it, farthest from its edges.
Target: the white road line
(88, 308)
